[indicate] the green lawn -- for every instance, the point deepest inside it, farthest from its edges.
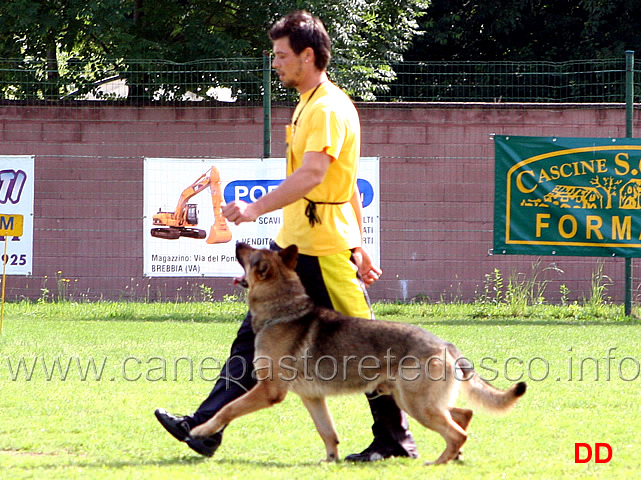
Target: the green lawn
(55, 424)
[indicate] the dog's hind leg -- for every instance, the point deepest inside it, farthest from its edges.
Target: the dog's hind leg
(440, 420)
(317, 408)
(454, 435)
(463, 417)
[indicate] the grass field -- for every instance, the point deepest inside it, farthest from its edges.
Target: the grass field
(70, 420)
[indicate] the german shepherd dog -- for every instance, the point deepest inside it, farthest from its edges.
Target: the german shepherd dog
(316, 352)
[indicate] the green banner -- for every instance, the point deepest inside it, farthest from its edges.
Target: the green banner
(567, 196)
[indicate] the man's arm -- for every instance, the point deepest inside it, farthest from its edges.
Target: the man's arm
(357, 205)
(310, 174)
(370, 272)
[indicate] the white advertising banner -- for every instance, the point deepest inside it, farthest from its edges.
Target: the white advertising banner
(185, 234)
(16, 212)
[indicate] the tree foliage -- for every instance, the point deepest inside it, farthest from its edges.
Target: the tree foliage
(528, 30)
(70, 44)
(63, 46)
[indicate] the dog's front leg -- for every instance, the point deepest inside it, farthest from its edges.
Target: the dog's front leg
(264, 394)
(317, 408)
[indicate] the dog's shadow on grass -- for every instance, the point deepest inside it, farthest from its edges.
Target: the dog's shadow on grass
(197, 460)
(160, 462)
(265, 463)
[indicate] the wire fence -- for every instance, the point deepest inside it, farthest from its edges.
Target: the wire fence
(90, 127)
(538, 82)
(242, 79)
(135, 82)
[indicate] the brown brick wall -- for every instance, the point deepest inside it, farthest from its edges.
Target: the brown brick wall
(436, 190)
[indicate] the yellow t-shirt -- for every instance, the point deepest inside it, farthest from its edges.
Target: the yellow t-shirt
(325, 121)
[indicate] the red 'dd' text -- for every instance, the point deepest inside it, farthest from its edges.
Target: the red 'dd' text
(583, 453)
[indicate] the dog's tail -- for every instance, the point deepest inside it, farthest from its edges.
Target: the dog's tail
(479, 392)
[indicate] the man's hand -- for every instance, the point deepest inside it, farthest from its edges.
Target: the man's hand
(370, 272)
(294, 187)
(239, 212)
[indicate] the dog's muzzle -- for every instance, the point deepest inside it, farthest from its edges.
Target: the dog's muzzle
(241, 281)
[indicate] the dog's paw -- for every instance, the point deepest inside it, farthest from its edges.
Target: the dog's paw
(328, 460)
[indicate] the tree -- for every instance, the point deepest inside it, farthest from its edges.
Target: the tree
(67, 45)
(609, 186)
(527, 30)
(376, 34)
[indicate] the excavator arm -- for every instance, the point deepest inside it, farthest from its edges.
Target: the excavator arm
(183, 220)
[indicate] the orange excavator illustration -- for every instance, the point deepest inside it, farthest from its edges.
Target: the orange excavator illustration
(182, 221)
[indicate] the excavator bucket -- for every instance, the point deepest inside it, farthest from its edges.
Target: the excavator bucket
(219, 234)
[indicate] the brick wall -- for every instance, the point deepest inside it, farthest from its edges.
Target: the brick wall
(436, 190)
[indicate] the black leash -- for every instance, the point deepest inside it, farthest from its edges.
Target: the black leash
(310, 210)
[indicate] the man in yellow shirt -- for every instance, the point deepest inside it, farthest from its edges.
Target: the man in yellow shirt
(321, 215)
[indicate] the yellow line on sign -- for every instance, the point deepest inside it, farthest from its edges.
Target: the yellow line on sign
(543, 156)
(4, 281)
(10, 226)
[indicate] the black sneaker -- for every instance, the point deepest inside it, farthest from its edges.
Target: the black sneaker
(380, 450)
(206, 446)
(179, 428)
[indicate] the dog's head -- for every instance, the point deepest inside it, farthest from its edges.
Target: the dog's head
(262, 265)
(276, 294)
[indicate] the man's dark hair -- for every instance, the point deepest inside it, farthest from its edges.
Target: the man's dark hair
(304, 30)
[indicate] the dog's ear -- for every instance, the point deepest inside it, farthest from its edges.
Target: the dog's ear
(263, 269)
(289, 256)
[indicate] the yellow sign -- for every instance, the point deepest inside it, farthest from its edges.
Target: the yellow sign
(11, 225)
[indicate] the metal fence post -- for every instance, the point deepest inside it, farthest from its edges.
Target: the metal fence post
(629, 125)
(267, 104)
